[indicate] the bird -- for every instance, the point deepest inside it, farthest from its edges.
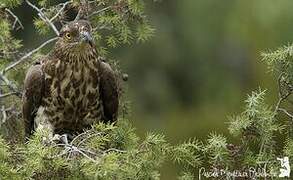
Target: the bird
(70, 88)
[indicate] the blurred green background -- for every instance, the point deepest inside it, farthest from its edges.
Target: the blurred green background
(200, 65)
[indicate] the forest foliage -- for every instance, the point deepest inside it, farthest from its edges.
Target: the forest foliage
(264, 132)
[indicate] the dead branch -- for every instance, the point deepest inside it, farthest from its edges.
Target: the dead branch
(61, 10)
(4, 115)
(16, 19)
(44, 17)
(71, 149)
(100, 11)
(83, 10)
(7, 94)
(282, 96)
(81, 135)
(26, 56)
(90, 136)
(10, 85)
(286, 112)
(115, 150)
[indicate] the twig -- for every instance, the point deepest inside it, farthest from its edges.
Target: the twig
(72, 148)
(116, 150)
(60, 11)
(61, 154)
(282, 97)
(43, 17)
(99, 11)
(78, 136)
(90, 136)
(9, 67)
(101, 27)
(16, 19)
(83, 10)
(82, 153)
(90, 2)
(286, 112)
(88, 151)
(7, 94)
(10, 84)
(4, 114)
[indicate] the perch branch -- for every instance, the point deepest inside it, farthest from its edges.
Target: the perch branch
(23, 58)
(79, 136)
(82, 153)
(85, 139)
(70, 148)
(43, 17)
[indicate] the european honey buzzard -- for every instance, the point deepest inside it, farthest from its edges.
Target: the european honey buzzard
(71, 88)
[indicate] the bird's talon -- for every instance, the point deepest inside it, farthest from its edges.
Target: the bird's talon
(56, 138)
(64, 139)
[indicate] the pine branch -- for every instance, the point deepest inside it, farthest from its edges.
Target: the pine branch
(29, 54)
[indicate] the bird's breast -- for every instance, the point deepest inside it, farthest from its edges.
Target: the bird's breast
(73, 91)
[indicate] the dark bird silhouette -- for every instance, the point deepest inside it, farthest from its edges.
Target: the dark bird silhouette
(70, 88)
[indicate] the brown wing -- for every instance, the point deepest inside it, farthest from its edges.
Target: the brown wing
(109, 92)
(32, 96)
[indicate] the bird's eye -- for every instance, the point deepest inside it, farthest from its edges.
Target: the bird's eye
(68, 36)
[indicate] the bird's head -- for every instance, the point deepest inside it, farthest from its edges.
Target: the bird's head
(75, 37)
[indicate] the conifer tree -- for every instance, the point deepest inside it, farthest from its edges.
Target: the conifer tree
(264, 131)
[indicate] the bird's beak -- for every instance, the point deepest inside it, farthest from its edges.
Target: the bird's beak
(86, 37)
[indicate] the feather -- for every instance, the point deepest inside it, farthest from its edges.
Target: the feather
(32, 96)
(109, 92)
